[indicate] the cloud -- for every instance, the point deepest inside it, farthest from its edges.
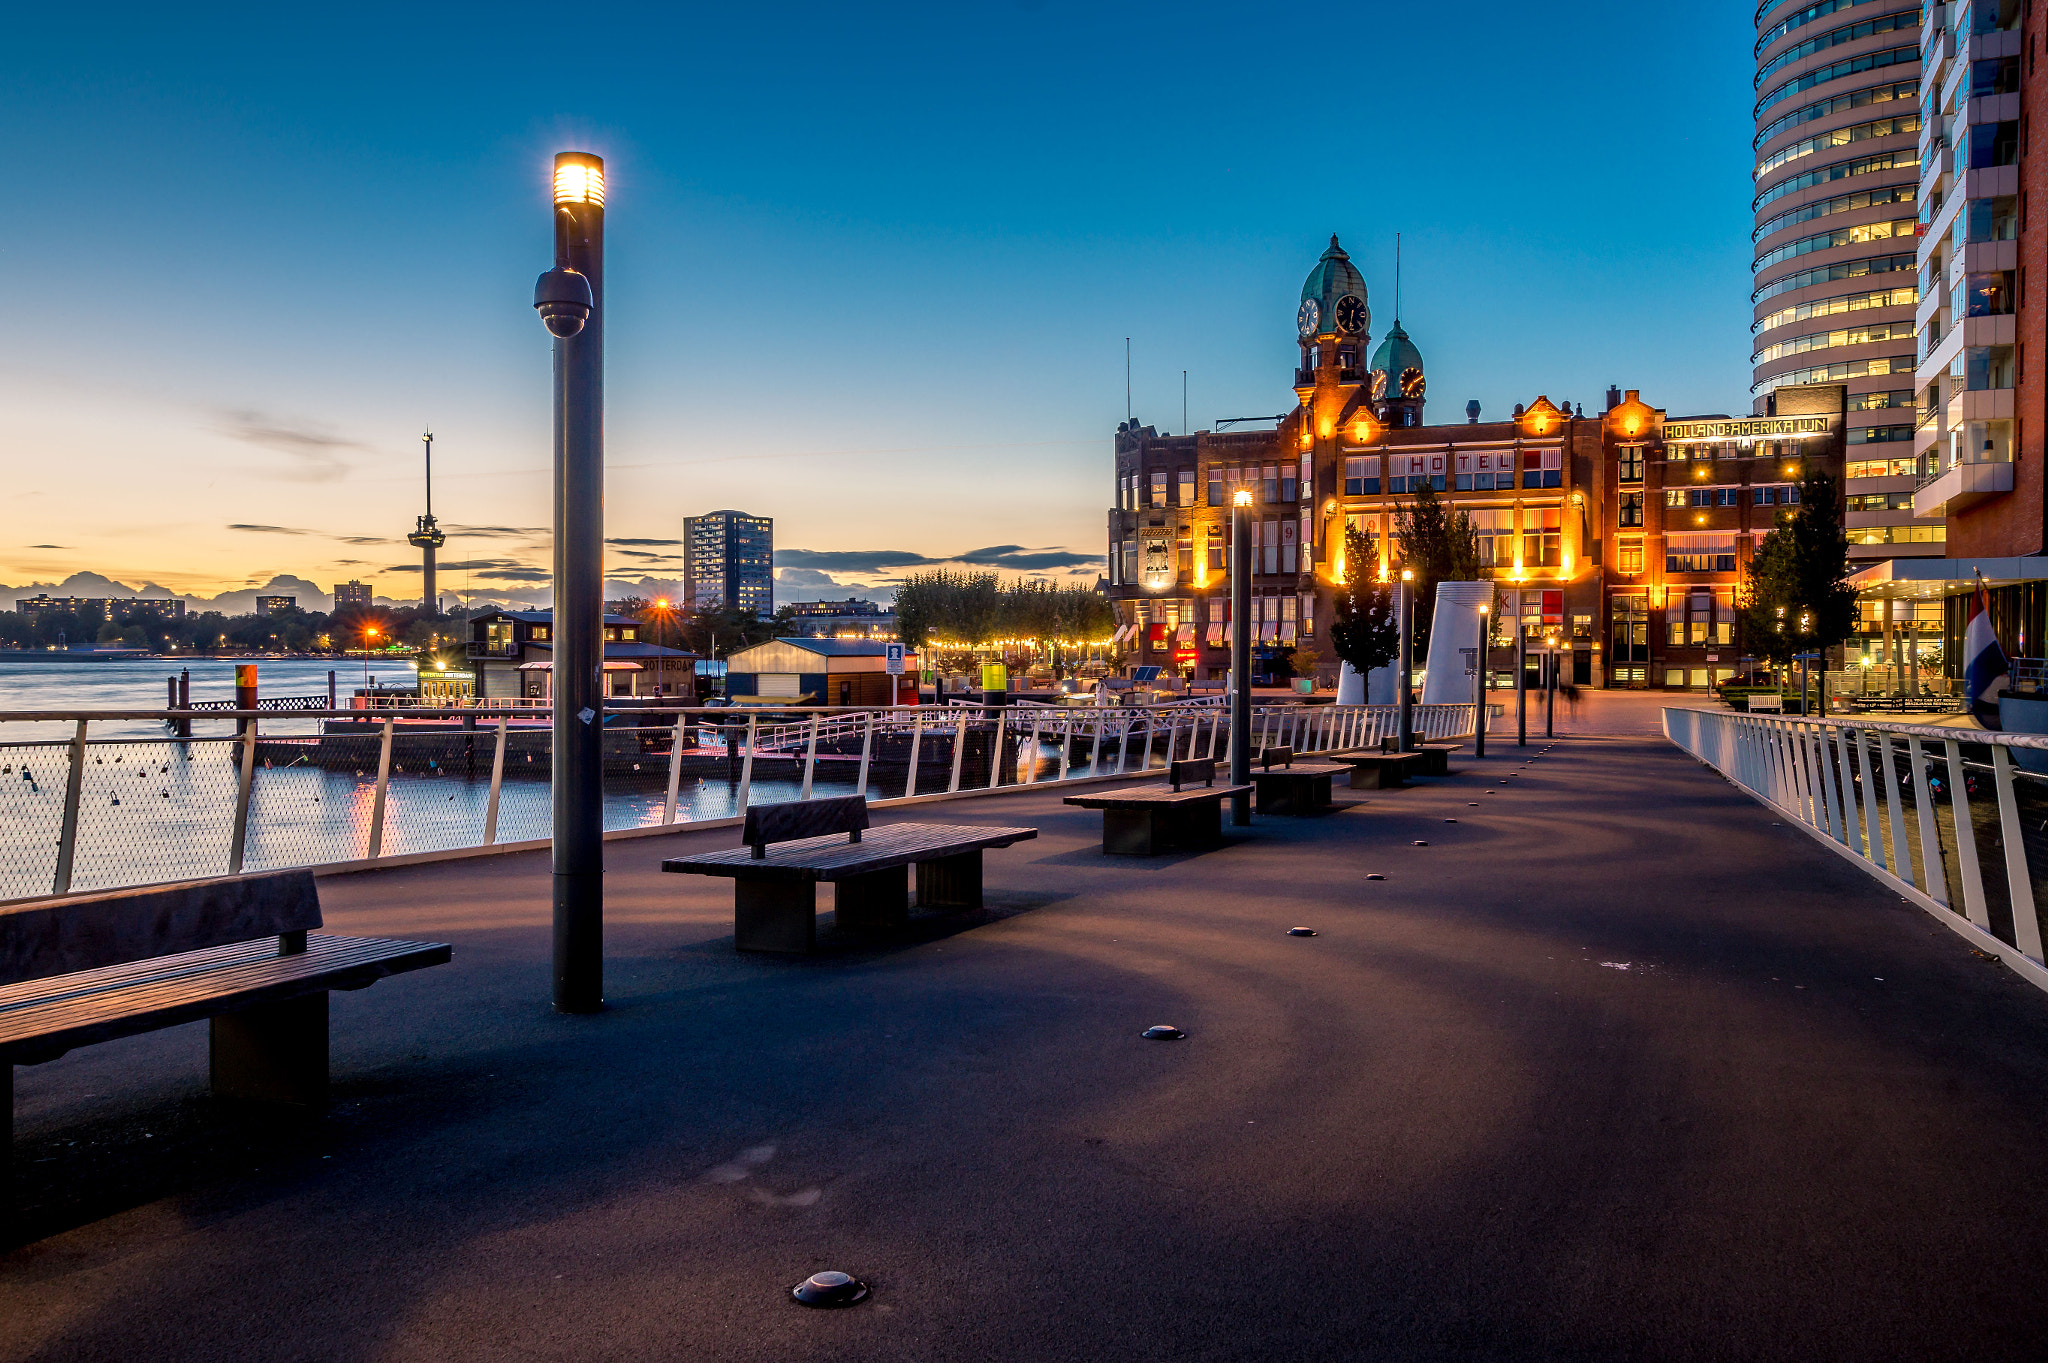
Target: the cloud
(271, 529)
(46, 546)
(1009, 557)
(508, 532)
(644, 542)
(366, 539)
(803, 577)
(517, 575)
(318, 454)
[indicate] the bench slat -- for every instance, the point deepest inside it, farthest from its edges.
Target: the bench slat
(42, 1019)
(833, 858)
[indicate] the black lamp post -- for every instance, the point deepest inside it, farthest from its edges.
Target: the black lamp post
(570, 298)
(1405, 607)
(1240, 655)
(1479, 688)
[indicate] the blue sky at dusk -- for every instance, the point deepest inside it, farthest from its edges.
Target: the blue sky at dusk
(870, 271)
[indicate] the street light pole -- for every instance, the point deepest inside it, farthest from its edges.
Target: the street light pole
(1404, 599)
(1240, 655)
(570, 298)
(1550, 690)
(1521, 684)
(1479, 689)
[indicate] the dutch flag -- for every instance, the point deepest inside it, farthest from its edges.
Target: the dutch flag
(1984, 671)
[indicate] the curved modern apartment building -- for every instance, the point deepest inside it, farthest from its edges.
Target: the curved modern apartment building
(1838, 150)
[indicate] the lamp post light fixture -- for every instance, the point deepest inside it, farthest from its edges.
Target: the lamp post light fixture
(1240, 655)
(570, 300)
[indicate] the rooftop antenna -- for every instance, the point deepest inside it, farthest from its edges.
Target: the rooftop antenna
(1184, 403)
(1397, 279)
(1127, 378)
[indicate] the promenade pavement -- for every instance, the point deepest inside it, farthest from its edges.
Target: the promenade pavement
(1614, 1068)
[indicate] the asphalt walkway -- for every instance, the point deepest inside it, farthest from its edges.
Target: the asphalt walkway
(1614, 1068)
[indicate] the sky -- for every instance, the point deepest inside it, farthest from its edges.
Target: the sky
(870, 270)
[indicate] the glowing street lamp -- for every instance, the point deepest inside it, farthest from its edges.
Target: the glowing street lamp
(570, 300)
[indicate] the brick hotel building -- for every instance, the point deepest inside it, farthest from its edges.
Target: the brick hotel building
(1624, 531)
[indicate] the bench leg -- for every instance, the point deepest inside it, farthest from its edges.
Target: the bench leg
(1374, 778)
(1273, 797)
(950, 882)
(775, 915)
(1129, 832)
(1319, 792)
(878, 900)
(273, 1052)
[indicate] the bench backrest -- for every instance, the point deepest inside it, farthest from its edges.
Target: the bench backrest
(1192, 769)
(47, 937)
(793, 819)
(1268, 756)
(1767, 701)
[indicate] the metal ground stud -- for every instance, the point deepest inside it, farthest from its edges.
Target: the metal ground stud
(830, 1289)
(1374, 875)
(1163, 1033)
(1301, 932)
(1420, 843)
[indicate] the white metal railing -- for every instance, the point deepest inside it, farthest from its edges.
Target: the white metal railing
(85, 812)
(1874, 791)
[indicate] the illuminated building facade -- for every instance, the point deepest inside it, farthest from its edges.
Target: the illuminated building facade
(1839, 201)
(351, 595)
(729, 562)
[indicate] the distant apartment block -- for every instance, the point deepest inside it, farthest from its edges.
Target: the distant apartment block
(729, 562)
(276, 605)
(114, 607)
(848, 619)
(351, 594)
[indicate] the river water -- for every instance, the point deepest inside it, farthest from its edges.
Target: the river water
(153, 809)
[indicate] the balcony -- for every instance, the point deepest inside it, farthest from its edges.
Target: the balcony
(1960, 487)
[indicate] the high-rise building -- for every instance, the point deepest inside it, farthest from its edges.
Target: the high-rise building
(276, 605)
(351, 595)
(1839, 146)
(729, 562)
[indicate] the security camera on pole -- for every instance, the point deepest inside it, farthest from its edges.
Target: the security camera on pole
(570, 299)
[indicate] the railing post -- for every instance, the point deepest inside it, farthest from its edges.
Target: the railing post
(1967, 868)
(383, 785)
(810, 758)
(675, 768)
(498, 785)
(1151, 722)
(995, 749)
(747, 766)
(74, 788)
(1215, 731)
(916, 738)
(1036, 720)
(2026, 922)
(1066, 744)
(867, 744)
(1902, 856)
(1838, 827)
(959, 751)
(1933, 870)
(1095, 757)
(244, 787)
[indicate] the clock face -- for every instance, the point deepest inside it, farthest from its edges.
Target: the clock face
(1379, 385)
(1310, 314)
(1411, 383)
(1350, 314)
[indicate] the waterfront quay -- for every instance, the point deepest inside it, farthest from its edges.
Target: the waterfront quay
(1618, 1066)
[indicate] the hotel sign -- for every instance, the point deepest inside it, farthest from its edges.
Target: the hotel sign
(1747, 428)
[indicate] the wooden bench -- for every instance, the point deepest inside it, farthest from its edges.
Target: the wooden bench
(1139, 821)
(241, 951)
(1287, 788)
(789, 848)
(1382, 770)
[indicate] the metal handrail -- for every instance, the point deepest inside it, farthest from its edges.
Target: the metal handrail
(1839, 779)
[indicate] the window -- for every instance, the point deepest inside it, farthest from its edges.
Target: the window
(1701, 553)
(1187, 487)
(1632, 464)
(1216, 562)
(1854, 235)
(1838, 137)
(1676, 496)
(1898, 534)
(1290, 540)
(1880, 501)
(1216, 485)
(1407, 472)
(1878, 435)
(1994, 219)
(1983, 367)
(1542, 468)
(1269, 486)
(1628, 557)
(1727, 496)
(1362, 476)
(1368, 528)
(1994, 144)
(1496, 529)
(1828, 274)
(1129, 554)
(1287, 483)
(1631, 508)
(1159, 487)
(1485, 472)
(1308, 478)
(1989, 295)
(1542, 541)
(1269, 545)
(1884, 468)
(1186, 557)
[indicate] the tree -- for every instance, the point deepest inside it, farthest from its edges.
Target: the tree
(1438, 544)
(1797, 596)
(1365, 633)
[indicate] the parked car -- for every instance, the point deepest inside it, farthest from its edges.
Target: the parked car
(1741, 681)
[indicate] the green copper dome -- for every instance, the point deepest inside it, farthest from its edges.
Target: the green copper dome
(1397, 355)
(1323, 311)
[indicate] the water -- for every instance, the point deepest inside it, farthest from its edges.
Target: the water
(153, 809)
